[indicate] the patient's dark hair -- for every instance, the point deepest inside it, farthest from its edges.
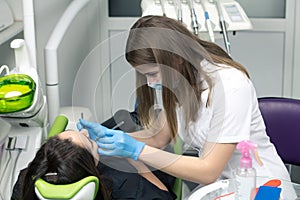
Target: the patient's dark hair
(70, 161)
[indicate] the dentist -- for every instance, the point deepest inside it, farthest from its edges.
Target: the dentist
(209, 102)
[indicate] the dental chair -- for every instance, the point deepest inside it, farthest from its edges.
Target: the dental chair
(85, 188)
(177, 188)
(282, 120)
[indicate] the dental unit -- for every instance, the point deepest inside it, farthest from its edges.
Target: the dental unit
(205, 18)
(22, 107)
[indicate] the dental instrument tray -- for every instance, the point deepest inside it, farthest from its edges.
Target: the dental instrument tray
(16, 92)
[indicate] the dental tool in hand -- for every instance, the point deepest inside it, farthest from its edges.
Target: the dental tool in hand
(118, 125)
(82, 118)
(113, 128)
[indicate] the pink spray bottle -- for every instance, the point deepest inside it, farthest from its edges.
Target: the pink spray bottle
(245, 174)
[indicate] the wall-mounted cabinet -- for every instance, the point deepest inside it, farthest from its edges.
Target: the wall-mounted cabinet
(11, 9)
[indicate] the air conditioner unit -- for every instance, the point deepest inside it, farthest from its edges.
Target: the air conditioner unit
(6, 17)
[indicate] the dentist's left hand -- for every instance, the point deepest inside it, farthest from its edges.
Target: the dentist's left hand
(118, 143)
(95, 130)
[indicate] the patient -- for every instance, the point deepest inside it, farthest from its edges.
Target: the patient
(71, 156)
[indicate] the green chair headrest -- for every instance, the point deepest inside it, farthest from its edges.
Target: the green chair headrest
(67, 191)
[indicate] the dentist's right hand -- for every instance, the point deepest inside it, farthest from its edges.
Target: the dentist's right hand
(95, 130)
(119, 143)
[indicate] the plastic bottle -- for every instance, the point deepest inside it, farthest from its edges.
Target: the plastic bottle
(245, 174)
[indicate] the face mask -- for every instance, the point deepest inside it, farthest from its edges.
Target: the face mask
(156, 85)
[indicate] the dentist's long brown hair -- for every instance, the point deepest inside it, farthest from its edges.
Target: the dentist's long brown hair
(159, 40)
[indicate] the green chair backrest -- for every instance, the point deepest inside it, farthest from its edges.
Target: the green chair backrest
(177, 188)
(59, 125)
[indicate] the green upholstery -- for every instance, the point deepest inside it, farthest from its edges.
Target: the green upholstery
(59, 125)
(86, 188)
(177, 188)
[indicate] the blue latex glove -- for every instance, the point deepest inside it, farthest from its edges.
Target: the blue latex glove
(95, 130)
(118, 143)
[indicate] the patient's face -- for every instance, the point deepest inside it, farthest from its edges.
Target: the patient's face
(82, 138)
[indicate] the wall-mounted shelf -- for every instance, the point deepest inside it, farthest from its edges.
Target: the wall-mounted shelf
(11, 31)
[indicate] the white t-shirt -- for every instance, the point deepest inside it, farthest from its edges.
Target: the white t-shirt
(232, 116)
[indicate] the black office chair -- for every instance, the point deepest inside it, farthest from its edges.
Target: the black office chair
(282, 120)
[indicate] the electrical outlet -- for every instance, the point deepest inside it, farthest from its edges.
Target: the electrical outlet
(10, 143)
(21, 142)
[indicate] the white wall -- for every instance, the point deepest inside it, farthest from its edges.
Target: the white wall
(7, 54)
(82, 36)
(47, 13)
(265, 73)
(12, 32)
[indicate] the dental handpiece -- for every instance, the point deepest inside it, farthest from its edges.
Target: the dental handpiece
(179, 10)
(223, 26)
(208, 22)
(195, 25)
